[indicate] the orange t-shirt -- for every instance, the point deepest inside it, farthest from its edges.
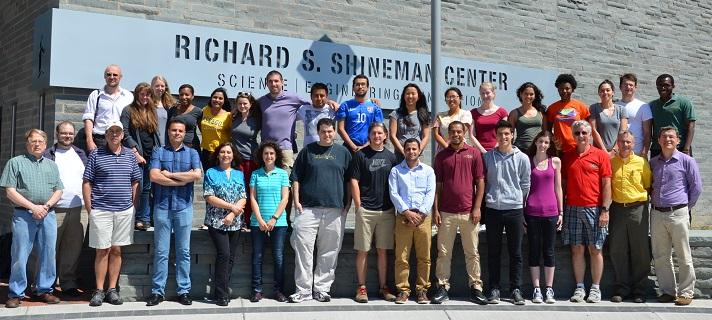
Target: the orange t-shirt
(583, 176)
(560, 116)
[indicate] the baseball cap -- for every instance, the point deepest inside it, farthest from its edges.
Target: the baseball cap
(115, 124)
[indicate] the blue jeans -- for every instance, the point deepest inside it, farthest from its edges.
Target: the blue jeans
(143, 210)
(278, 235)
(27, 232)
(180, 222)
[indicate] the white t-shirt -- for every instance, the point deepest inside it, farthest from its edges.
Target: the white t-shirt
(310, 116)
(71, 171)
(638, 111)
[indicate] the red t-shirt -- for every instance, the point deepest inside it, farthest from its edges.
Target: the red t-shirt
(457, 171)
(584, 173)
(560, 116)
(485, 127)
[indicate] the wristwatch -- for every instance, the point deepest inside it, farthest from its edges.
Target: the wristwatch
(604, 208)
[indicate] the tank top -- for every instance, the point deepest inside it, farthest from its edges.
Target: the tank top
(542, 196)
(527, 128)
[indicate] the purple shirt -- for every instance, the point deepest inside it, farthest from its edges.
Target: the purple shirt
(675, 181)
(278, 117)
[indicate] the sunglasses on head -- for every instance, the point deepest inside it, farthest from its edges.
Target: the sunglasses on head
(244, 94)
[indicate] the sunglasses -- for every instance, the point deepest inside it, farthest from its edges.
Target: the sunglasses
(581, 133)
(244, 94)
(108, 74)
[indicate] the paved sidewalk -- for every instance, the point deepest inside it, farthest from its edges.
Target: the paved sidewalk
(347, 309)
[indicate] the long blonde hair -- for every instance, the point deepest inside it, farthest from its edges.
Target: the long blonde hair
(167, 98)
(143, 117)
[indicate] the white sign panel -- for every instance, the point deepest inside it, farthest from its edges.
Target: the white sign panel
(84, 43)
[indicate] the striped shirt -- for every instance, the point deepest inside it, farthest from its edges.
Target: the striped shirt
(268, 191)
(35, 179)
(111, 176)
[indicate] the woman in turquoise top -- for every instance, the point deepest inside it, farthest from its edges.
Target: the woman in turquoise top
(269, 193)
(224, 191)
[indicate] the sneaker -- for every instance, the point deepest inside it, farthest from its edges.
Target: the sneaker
(666, 298)
(493, 297)
(113, 297)
(402, 297)
(579, 295)
(550, 295)
(97, 298)
(594, 295)
(386, 294)
(256, 296)
(683, 301)
(422, 297)
(280, 297)
(361, 295)
(517, 297)
(477, 297)
(321, 296)
(440, 295)
(299, 297)
(537, 297)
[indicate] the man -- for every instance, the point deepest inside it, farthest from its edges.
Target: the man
(588, 190)
(104, 107)
(110, 193)
(460, 186)
(628, 240)
(71, 226)
(410, 186)
(371, 167)
(33, 186)
(640, 118)
(310, 114)
(174, 168)
(676, 187)
(507, 175)
(672, 110)
(321, 215)
(356, 115)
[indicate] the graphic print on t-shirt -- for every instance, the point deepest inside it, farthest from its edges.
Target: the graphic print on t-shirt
(567, 115)
(378, 164)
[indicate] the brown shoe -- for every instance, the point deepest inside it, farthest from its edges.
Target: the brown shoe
(683, 301)
(48, 298)
(666, 298)
(386, 294)
(13, 303)
(422, 298)
(402, 297)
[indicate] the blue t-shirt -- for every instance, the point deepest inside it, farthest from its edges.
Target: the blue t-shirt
(358, 117)
(268, 191)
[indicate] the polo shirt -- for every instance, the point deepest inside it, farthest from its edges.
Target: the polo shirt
(35, 179)
(676, 180)
(279, 115)
(673, 113)
(110, 176)
(184, 159)
(583, 176)
(631, 179)
(358, 117)
(457, 171)
(560, 116)
(107, 110)
(268, 193)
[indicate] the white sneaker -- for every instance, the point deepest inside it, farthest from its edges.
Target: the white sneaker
(550, 295)
(594, 295)
(299, 297)
(537, 297)
(321, 296)
(579, 295)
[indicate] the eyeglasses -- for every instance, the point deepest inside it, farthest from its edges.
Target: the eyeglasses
(581, 133)
(245, 94)
(452, 98)
(109, 74)
(36, 141)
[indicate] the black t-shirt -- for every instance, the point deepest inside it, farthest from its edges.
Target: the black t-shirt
(371, 168)
(322, 173)
(148, 141)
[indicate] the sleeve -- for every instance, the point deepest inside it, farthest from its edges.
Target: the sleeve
(253, 179)
(195, 159)
(136, 173)
(694, 182)
(208, 184)
(342, 112)
(585, 113)
(437, 122)
(429, 194)
(57, 183)
(647, 176)
(299, 165)
(303, 101)
(689, 112)
(89, 168)
(285, 179)
(467, 119)
(393, 115)
(438, 168)
(300, 113)
(525, 171)
(393, 191)
(647, 113)
(379, 113)
(502, 112)
(241, 194)
(356, 166)
(593, 112)
(126, 122)
(9, 175)
(156, 158)
(605, 161)
(90, 108)
(478, 170)
(623, 111)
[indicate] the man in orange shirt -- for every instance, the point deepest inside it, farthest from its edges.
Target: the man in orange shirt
(588, 190)
(561, 114)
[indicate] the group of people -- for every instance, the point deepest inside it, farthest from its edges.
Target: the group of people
(534, 170)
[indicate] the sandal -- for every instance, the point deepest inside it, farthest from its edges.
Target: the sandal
(140, 226)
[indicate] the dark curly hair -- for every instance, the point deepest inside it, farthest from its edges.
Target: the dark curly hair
(236, 158)
(538, 96)
(279, 159)
(565, 78)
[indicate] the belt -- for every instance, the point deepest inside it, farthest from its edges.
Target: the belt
(630, 204)
(670, 209)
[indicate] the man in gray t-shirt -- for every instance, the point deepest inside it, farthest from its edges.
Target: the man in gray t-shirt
(310, 114)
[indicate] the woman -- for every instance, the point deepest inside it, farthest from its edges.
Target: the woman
(215, 124)
(246, 123)
(163, 100)
(410, 120)
(190, 114)
(269, 193)
(485, 118)
(561, 114)
(453, 97)
(543, 212)
(141, 135)
(528, 119)
(224, 191)
(607, 119)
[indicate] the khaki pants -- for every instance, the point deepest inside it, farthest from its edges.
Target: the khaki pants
(670, 230)
(405, 238)
(446, 239)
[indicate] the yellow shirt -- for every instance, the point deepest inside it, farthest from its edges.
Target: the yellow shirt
(214, 129)
(631, 179)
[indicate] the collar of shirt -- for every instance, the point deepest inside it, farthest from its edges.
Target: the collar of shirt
(33, 158)
(122, 91)
(404, 164)
(170, 147)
